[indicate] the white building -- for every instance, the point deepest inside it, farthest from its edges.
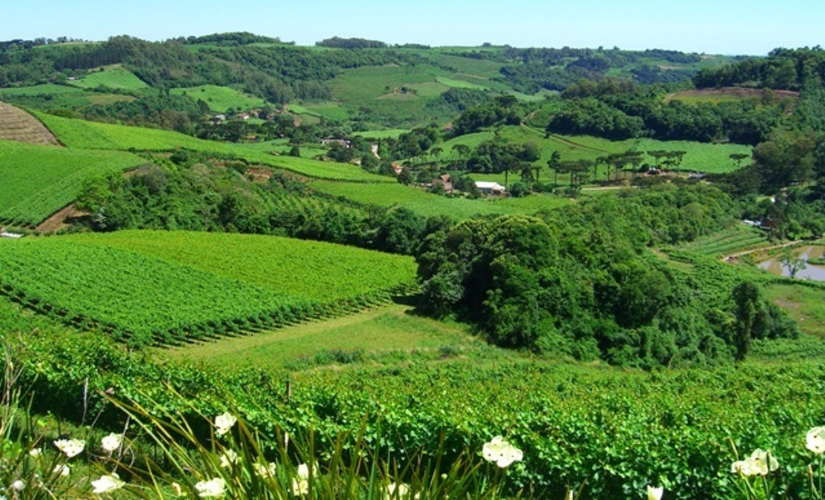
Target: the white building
(490, 187)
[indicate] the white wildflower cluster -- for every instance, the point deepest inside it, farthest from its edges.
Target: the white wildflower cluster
(760, 463)
(224, 422)
(501, 452)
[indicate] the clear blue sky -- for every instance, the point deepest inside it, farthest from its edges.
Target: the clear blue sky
(711, 26)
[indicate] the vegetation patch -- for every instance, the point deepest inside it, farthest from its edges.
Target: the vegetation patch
(220, 99)
(112, 77)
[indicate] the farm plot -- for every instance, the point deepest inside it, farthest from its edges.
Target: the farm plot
(733, 240)
(159, 287)
(36, 181)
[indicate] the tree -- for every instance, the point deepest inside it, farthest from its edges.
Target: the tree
(786, 159)
(746, 302)
(738, 157)
(792, 263)
(553, 164)
(295, 151)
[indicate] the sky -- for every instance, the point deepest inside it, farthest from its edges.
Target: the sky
(729, 27)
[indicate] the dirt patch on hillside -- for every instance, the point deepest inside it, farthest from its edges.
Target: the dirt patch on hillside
(729, 93)
(18, 125)
(61, 219)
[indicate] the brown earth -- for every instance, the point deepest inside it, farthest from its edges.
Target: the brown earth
(18, 125)
(60, 219)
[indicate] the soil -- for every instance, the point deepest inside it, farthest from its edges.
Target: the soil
(18, 125)
(61, 219)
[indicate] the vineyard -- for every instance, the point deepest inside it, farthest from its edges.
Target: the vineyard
(36, 181)
(155, 287)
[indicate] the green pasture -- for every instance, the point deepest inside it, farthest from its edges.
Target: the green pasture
(388, 332)
(428, 204)
(700, 157)
(327, 110)
(219, 99)
(382, 134)
(50, 97)
(35, 90)
(459, 84)
(113, 77)
(36, 181)
(806, 304)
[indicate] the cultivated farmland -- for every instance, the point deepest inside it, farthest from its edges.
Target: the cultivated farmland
(36, 181)
(169, 287)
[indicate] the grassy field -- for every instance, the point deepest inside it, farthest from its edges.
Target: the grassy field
(700, 157)
(427, 204)
(388, 334)
(382, 134)
(36, 181)
(113, 77)
(327, 110)
(804, 303)
(219, 99)
(459, 84)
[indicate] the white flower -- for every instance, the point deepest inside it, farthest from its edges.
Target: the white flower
(111, 442)
(62, 469)
(264, 470)
(107, 484)
(18, 485)
(228, 458)
(35, 452)
(399, 491)
(223, 423)
(177, 489)
(212, 488)
(70, 447)
(300, 485)
(758, 464)
(815, 440)
(655, 493)
(501, 452)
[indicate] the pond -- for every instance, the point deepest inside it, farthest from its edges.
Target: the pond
(812, 272)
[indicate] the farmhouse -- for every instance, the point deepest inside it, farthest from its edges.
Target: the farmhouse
(490, 187)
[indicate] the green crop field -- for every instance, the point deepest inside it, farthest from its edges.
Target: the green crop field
(113, 77)
(739, 238)
(460, 84)
(167, 287)
(36, 181)
(219, 99)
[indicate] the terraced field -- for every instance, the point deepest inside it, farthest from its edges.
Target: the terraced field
(737, 239)
(17, 125)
